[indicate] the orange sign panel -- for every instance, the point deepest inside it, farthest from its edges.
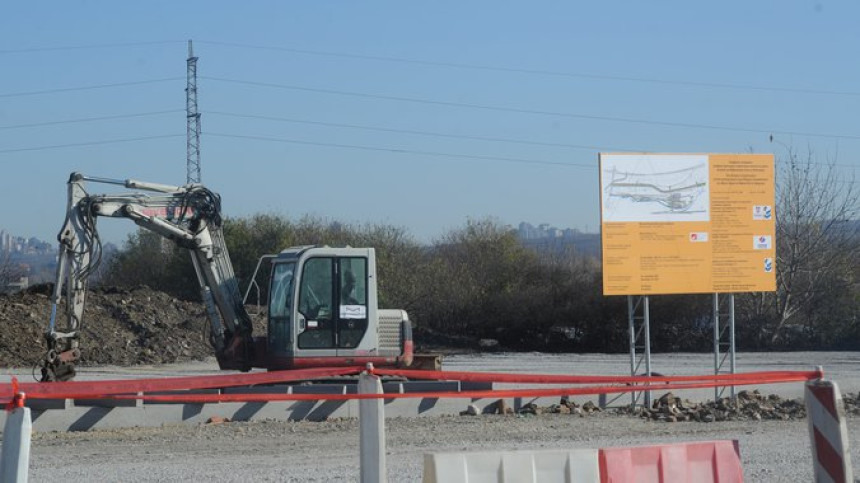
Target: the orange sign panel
(687, 223)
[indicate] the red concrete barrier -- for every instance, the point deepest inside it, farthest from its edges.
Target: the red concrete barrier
(701, 462)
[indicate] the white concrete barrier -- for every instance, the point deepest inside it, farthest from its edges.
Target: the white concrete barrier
(371, 423)
(545, 466)
(15, 458)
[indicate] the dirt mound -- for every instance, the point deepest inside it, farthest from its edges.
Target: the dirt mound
(121, 327)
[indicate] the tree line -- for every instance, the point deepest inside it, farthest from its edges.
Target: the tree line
(480, 282)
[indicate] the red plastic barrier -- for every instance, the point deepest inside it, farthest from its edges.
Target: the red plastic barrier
(575, 379)
(92, 389)
(485, 394)
(132, 389)
(701, 462)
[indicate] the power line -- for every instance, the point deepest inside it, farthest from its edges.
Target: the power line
(522, 110)
(90, 87)
(86, 47)
(493, 68)
(403, 151)
(456, 65)
(90, 119)
(90, 143)
(417, 152)
(415, 132)
(449, 135)
(321, 144)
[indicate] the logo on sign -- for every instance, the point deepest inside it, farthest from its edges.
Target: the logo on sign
(768, 265)
(699, 236)
(762, 212)
(762, 242)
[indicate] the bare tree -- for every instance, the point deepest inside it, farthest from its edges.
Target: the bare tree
(817, 238)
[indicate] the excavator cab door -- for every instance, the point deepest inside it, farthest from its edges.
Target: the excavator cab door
(281, 310)
(351, 284)
(315, 324)
(332, 317)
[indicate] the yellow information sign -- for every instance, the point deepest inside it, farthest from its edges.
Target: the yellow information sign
(687, 223)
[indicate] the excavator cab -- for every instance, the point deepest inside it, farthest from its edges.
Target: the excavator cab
(323, 311)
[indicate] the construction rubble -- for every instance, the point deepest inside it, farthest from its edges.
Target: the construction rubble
(750, 405)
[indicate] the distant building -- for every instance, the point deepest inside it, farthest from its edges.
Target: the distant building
(527, 231)
(24, 246)
(5, 242)
(546, 236)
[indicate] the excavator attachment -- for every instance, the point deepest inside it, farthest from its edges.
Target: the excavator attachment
(59, 366)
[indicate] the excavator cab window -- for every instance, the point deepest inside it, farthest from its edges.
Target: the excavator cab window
(352, 320)
(280, 306)
(315, 304)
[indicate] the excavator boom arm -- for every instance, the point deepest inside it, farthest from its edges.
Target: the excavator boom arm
(190, 216)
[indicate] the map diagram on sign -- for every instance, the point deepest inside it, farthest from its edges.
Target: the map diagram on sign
(655, 188)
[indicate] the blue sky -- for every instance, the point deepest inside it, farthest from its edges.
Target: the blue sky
(372, 111)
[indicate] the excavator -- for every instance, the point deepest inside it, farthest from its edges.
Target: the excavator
(322, 301)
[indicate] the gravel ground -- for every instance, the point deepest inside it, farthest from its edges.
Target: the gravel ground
(328, 451)
(141, 326)
(772, 451)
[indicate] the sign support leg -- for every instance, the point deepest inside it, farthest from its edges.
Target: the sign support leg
(640, 338)
(724, 342)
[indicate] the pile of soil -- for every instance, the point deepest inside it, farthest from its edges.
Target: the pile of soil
(120, 327)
